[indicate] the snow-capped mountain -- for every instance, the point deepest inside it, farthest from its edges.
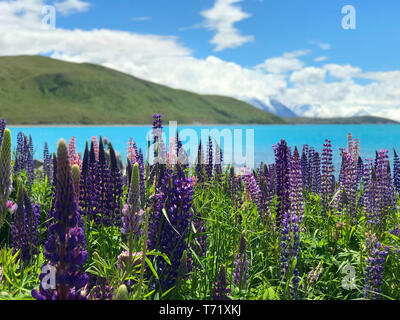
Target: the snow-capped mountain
(274, 107)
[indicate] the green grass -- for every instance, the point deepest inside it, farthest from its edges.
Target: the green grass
(41, 90)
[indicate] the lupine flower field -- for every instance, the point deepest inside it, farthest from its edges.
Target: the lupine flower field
(93, 226)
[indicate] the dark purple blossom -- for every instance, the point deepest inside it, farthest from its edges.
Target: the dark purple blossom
(175, 196)
(396, 172)
(240, 273)
(282, 158)
(221, 286)
(64, 248)
(24, 230)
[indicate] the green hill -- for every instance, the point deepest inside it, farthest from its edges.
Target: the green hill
(41, 90)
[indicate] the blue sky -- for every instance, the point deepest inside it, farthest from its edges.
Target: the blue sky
(277, 26)
(295, 51)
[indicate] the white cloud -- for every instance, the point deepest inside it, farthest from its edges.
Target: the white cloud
(71, 6)
(283, 64)
(324, 46)
(342, 71)
(307, 76)
(320, 59)
(280, 65)
(221, 19)
(141, 18)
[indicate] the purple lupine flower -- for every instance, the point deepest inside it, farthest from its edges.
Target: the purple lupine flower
(133, 215)
(266, 196)
(271, 183)
(327, 175)
(240, 274)
(396, 172)
(114, 192)
(65, 245)
(199, 170)
(384, 188)
(209, 160)
(29, 162)
(289, 249)
(290, 234)
(46, 162)
(375, 266)
(86, 191)
(218, 163)
(254, 190)
(221, 286)
(310, 162)
(19, 163)
(24, 230)
(102, 180)
(304, 167)
(175, 195)
(369, 191)
(348, 185)
(103, 290)
(157, 130)
(2, 127)
(316, 174)
(360, 168)
(282, 157)
(296, 186)
(143, 196)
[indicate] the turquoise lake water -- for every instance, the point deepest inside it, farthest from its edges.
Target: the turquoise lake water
(372, 137)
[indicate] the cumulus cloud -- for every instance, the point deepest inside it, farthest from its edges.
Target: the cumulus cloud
(71, 6)
(342, 71)
(221, 19)
(287, 62)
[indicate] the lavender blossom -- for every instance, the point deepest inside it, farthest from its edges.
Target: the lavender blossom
(316, 174)
(327, 175)
(254, 190)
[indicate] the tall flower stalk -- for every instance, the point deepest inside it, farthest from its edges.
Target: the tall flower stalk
(65, 246)
(5, 174)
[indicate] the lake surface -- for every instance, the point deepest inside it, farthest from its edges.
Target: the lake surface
(372, 137)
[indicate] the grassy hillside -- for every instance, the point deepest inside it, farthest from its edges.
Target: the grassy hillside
(350, 120)
(40, 90)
